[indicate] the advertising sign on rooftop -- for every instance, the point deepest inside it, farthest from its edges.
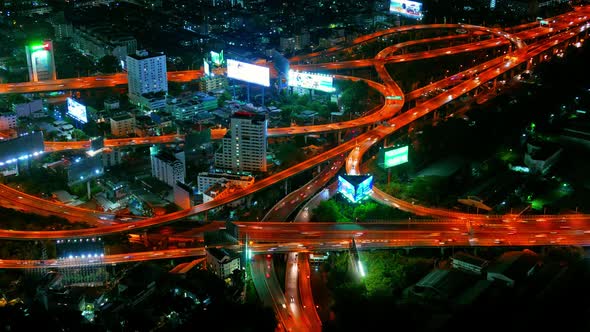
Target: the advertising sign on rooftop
(248, 73)
(406, 8)
(311, 81)
(77, 110)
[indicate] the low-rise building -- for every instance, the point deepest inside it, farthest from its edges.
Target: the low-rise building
(7, 120)
(541, 156)
(207, 180)
(184, 195)
(28, 108)
(111, 157)
(221, 190)
(122, 124)
(513, 266)
(213, 83)
(468, 263)
(222, 262)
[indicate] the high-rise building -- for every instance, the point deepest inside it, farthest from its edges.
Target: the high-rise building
(146, 75)
(40, 61)
(244, 147)
(168, 166)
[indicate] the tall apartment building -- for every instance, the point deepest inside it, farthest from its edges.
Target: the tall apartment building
(244, 147)
(168, 166)
(122, 124)
(147, 76)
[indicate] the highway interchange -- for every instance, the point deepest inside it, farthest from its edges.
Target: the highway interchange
(456, 229)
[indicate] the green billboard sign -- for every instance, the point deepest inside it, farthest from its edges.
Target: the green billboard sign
(395, 157)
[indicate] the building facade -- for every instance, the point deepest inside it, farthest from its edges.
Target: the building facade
(122, 124)
(40, 61)
(207, 180)
(7, 120)
(222, 262)
(167, 166)
(244, 147)
(146, 74)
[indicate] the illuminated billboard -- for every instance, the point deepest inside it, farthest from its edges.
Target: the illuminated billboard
(40, 61)
(247, 72)
(346, 188)
(217, 58)
(311, 81)
(77, 110)
(206, 68)
(355, 187)
(394, 157)
(407, 8)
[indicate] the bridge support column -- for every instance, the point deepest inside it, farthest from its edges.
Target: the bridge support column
(319, 168)
(339, 136)
(286, 187)
(88, 192)
(305, 139)
(145, 239)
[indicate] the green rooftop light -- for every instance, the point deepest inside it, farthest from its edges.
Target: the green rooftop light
(39, 46)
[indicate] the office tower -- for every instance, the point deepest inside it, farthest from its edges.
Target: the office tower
(244, 147)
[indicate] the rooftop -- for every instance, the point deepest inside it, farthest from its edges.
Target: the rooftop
(514, 263)
(473, 260)
(249, 116)
(221, 253)
(143, 54)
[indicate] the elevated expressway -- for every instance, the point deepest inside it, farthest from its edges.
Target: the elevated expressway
(90, 82)
(275, 237)
(535, 51)
(390, 107)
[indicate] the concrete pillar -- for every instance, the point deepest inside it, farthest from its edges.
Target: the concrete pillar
(286, 187)
(145, 239)
(319, 168)
(88, 189)
(339, 133)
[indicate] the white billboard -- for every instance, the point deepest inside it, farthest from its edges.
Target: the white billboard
(407, 8)
(311, 81)
(77, 110)
(247, 72)
(206, 68)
